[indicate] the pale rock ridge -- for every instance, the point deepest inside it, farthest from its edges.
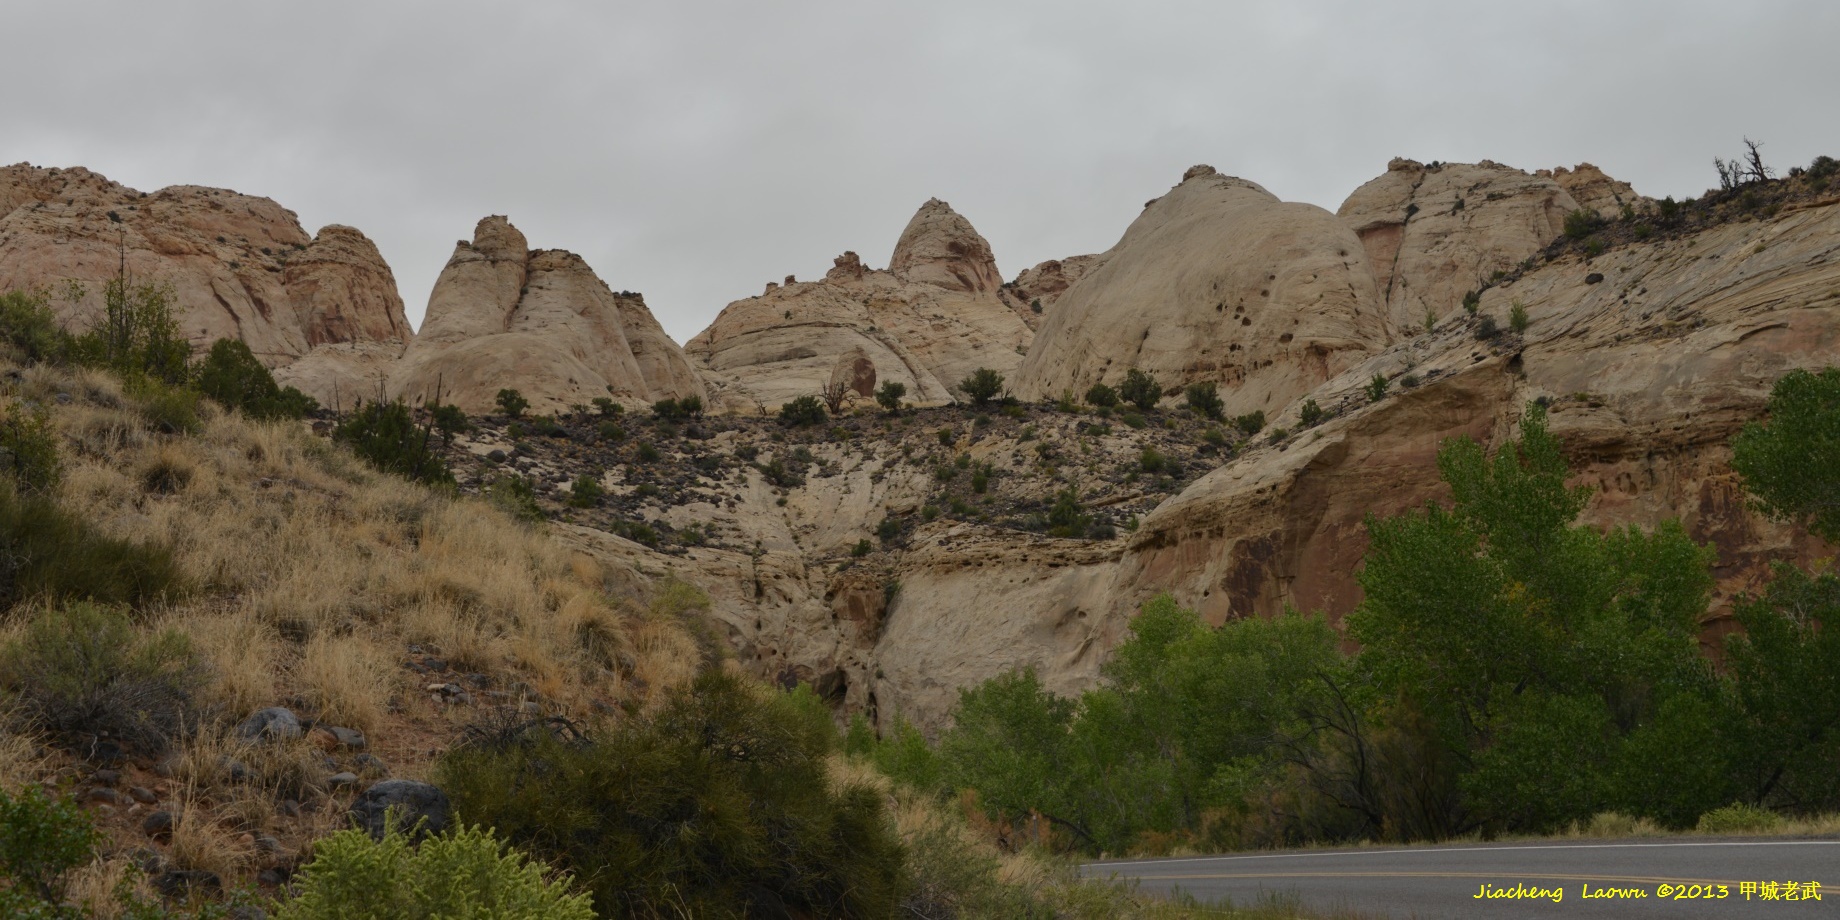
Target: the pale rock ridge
(239, 266)
(1592, 189)
(344, 296)
(1045, 283)
(1218, 281)
(539, 321)
(927, 322)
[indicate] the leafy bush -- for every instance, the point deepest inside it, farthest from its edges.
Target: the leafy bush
(889, 394)
(164, 407)
(1472, 302)
(1102, 396)
(781, 474)
(28, 326)
(512, 403)
(49, 553)
(1140, 390)
(137, 334)
(85, 675)
(1376, 387)
(982, 386)
(1150, 461)
(862, 548)
(449, 420)
(667, 409)
(645, 452)
(1486, 328)
(1581, 223)
(464, 873)
(1311, 414)
(1787, 460)
(231, 375)
(802, 411)
(612, 432)
(514, 495)
(607, 407)
(1067, 517)
(586, 492)
(719, 805)
(1738, 818)
(1204, 398)
(1517, 317)
(41, 841)
(29, 449)
(385, 433)
(1250, 423)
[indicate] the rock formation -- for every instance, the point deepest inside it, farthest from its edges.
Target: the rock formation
(502, 315)
(1036, 289)
(1592, 189)
(238, 266)
(927, 322)
(1219, 281)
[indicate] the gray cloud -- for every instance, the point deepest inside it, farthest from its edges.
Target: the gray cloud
(694, 151)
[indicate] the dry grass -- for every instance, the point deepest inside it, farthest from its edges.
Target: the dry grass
(347, 680)
(22, 760)
(200, 842)
(96, 885)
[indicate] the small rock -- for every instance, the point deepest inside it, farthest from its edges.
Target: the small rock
(274, 723)
(270, 878)
(143, 795)
(238, 770)
(434, 664)
(268, 844)
(371, 765)
(342, 780)
(158, 825)
(417, 805)
(103, 795)
(1594, 278)
(289, 807)
(150, 862)
(322, 739)
(349, 738)
(496, 456)
(105, 777)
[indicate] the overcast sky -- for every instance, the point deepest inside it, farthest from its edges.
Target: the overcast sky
(695, 150)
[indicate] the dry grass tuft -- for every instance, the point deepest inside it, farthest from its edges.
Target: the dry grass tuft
(96, 885)
(199, 842)
(348, 680)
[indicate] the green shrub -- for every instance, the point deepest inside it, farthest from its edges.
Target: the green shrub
(645, 452)
(1581, 223)
(718, 805)
(29, 449)
(1822, 167)
(607, 407)
(385, 433)
(586, 492)
(1150, 461)
(982, 386)
(1738, 818)
(449, 420)
(779, 473)
(84, 674)
(802, 411)
(1102, 396)
(1376, 387)
(1250, 423)
(1486, 328)
(667, 409)
(1786, 460)
(1430, 320)
(464, 873)
(888, 530)
(513, 494)
(1213, 435)
(889, 394)
(1133, 420)
(137, 334)
(862, 548)
(41, 841)
(164, 407)
(1472, 302)
(512, 403)
(1517, 317)
(1067, 517)
(612, 432)
(231, 375)
(547, 426)
(1140, 390)
(1204, 398)
(48, 552)
(28, 326)
(1594, 246)
(1311, 414)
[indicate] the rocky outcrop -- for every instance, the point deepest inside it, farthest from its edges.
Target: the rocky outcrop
(1036, 289)
(1435, 233)
(542, 322)
(238, 266)
(1218, 281)
(927, 322)
(345, 299)
(1648, 374)
(1592, 189)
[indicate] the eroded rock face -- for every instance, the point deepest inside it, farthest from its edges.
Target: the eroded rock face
(1591, 188)
(1436, 233)
(1044, 284)
(928, 322)
(1648, 373)
(1218, 281)
(239, 266)
(541, 322)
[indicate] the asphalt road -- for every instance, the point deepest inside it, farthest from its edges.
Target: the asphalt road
(1438, 882)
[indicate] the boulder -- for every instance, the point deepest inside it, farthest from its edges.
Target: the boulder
(272, 724)
(419, 807)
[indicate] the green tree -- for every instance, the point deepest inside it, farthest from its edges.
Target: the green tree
(1311, 414)
(1785, 671)
(1140, 390)
(1102, 396)
(1537, 648)
(889, 395)
(1009, 741)
(982, 386)
(231, 375)
(28, 326)
(1787, 461)
(1204, 398)
(802, 412)
(29, 449)
(137, 334)
(450, 421)
(512, 403)
(1376, 388)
